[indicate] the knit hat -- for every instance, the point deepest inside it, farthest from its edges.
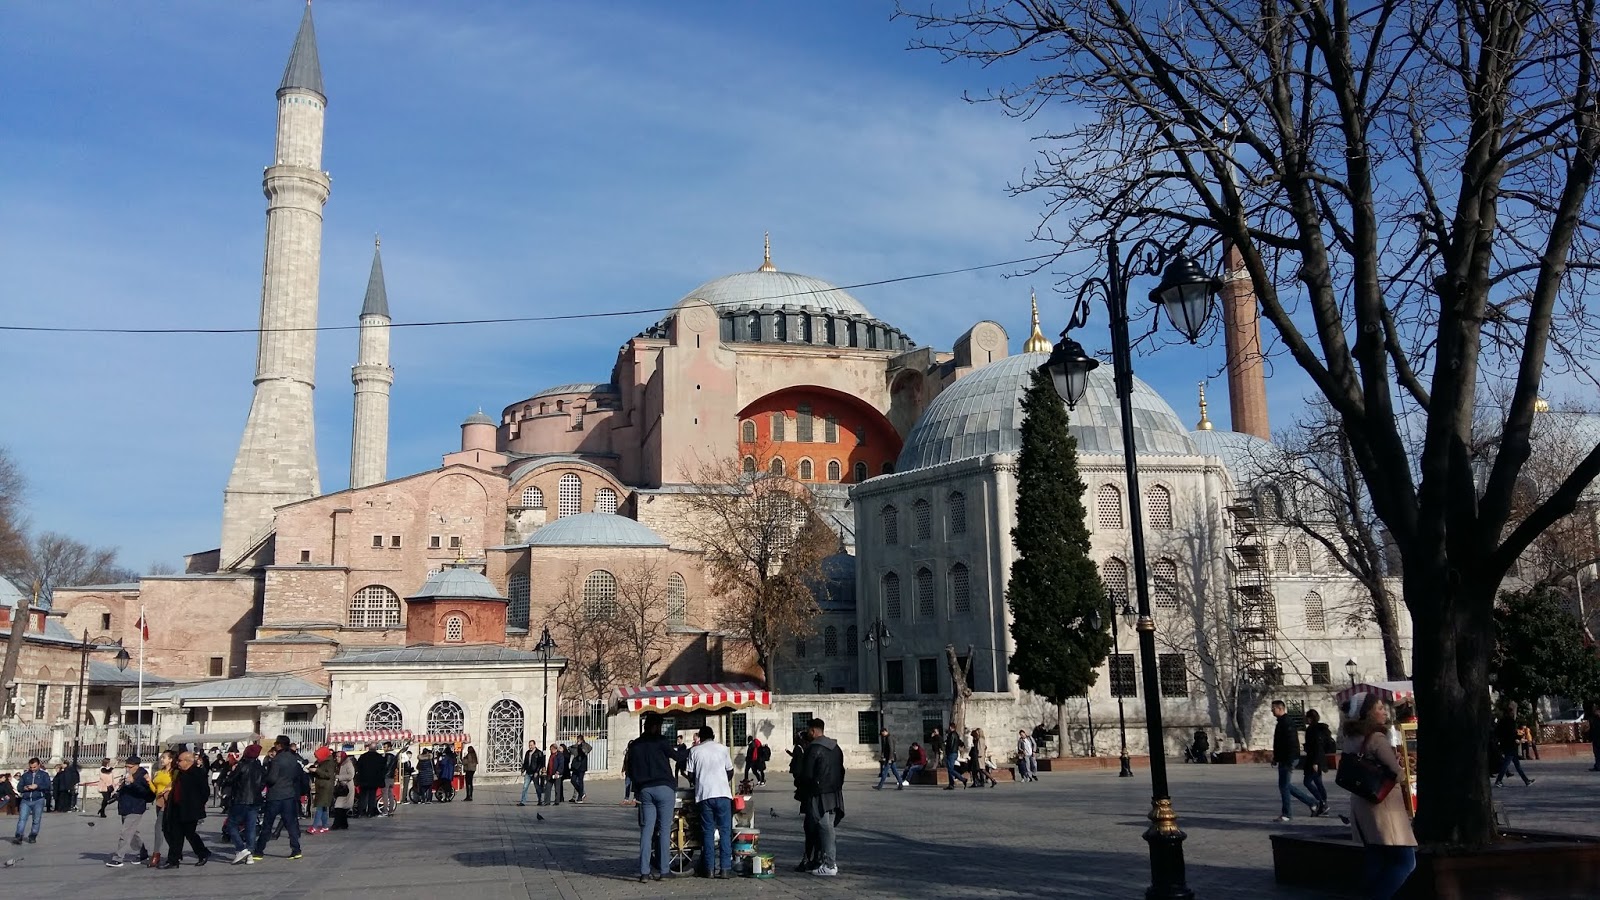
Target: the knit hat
(252, 751)
(322, 753)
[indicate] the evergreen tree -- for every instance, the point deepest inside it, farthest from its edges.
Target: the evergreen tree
(1055, 588)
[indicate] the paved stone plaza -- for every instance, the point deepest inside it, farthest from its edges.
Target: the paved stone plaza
(1070, 835)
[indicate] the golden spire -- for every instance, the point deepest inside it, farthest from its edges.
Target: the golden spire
(1541, 405)
(766, 253)
(1205, 423)
(1037, 342)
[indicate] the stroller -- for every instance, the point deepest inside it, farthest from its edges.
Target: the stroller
(1200, 750)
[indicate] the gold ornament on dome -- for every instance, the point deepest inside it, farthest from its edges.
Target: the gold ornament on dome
(1205, 421)
(1037, 342)
(766, 253)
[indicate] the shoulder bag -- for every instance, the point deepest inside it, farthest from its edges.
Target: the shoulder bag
(1366, 776)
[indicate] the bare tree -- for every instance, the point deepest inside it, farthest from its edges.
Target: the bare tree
(639, 630)
(960, 688)
(583, 631)
(13, 539)
(763, 543)
(55, 560)
(1409, 186)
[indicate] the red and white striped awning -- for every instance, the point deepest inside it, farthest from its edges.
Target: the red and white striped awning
(452, 737)
(685, 697)
(368, 737)
(1387, 691)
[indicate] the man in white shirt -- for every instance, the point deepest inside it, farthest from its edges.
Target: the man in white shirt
(710, 766)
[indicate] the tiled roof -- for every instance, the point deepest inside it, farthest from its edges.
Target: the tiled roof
(982, 414)
(596, 530)
(107, 674)
(250, 687)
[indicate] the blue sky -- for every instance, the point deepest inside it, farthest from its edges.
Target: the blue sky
(518, 159)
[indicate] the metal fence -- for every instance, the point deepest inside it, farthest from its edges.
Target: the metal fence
(304, 734)
(91, 745)
(586, 719)
(21, 742)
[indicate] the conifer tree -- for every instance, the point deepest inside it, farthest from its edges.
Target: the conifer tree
(1055, 588)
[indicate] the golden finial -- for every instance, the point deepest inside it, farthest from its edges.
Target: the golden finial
(1205, 423)
(1540, 405)
(766, 253)
(1037, 342)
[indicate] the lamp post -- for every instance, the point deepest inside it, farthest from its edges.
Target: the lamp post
(1186, 292)
(544, 648)
(1125, 767)
(817, 680)
(877, 638)
(77, 727)
(1350, 666)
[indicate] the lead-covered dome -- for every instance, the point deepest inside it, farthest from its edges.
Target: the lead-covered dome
(750, 290)
(1246, 457)
(596, 530)
(982, 414)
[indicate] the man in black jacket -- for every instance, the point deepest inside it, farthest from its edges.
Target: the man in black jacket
(649, 763)
(244, 783)
(1286, 755)
(285, 773)
(370, 767)
(1319, 745)
(822, 794)
(186, 806)
(952, 758)
(886, 767)
(578, 767)
(532, 770)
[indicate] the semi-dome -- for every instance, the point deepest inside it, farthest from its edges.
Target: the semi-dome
(596, 530)
(1245, 456)
(982, 414)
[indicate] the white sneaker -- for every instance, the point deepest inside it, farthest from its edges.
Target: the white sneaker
(1284, 819)
(905, 784)
(243, 856)
(826, 871)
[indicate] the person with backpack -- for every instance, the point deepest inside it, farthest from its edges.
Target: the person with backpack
(1319, 746)
(133, 798)
(286, 782)
(1381, 824)
(243, 786)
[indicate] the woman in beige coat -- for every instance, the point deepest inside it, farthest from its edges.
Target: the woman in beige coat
(343, 802)
(1383, 827)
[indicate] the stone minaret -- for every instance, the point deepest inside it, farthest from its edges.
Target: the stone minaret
(1241, 328)
(372, 375)
(277, 461)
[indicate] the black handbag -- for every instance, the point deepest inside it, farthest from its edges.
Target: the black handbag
(340, 789)
(1365, 776)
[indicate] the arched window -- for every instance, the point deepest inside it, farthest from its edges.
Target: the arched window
(754, 330)
(605, 500)
(924, 594)
(677, 600)
(922, 513)
(505, 736)
(778, 423)
(861, 473)
(805, 470)
(374, 606)
(383, 716)
(960, 589)
(1280, 558)
(446, 717)
(830, 429)
(830, 641)
(957, 503)
(517, 593)
(800, 647)
(887, 468)
(1315, 619)
(561, 406)
(1164, 574)
(1114, 574)
(600, 596)
(1158, 501)
(891, 524)
(1302, 557)
(1108, 506)
(835, 471)
(749, 465)
(533, 498)
(852, 642)
(1270, 503)
(747, 431)
(569, 501)
(776, 466)
(891, 595)
(454, 630)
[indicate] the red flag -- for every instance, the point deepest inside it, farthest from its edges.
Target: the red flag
(143, 626)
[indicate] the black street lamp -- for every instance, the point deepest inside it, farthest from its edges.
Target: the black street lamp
(877, 639)
(77, 727)
(817, 680)
(1125, 768)
(1185, 292)
(544, 648)
(1350, 666)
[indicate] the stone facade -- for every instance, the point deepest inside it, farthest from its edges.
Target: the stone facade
(200, 625)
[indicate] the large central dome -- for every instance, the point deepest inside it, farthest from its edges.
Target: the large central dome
(982, 414)
(752, 290)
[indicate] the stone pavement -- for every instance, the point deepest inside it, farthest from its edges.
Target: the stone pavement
(1070, 835)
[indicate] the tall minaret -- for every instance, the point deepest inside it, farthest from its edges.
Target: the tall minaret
(1241, 329)
(277, 461)
(372, 376)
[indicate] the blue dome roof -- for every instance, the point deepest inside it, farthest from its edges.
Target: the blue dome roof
(982, 414)
(1245, 456)
(457, 583)
(751, 290)
(596, 530)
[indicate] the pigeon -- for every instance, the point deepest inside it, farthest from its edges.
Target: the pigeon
(539, 816)
(10, 862)
(772, 812)
(91, 824)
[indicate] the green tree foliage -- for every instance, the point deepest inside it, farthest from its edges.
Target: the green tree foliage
(1540, 650)
(1055, 588)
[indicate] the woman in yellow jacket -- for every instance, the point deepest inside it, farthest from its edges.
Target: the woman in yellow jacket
(162, 782)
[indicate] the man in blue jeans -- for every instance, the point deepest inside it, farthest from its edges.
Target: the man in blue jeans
(32, 788)
(886, 767)
(532, 770)
(952, 758)
(284, 773)
(649, 763)
(710, 767)
(245, 781)
(1286, 756)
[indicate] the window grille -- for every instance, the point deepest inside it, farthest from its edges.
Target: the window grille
(739, 730)
(384, 716)
(749, 465)
(830, 641)
(924, 594)
(517, 593)
(1174, 675)
(891, 525)
(1280, 558)
(747, 431)
(835, 471)
(805, 470)
(533, 498)
(891, 595)
(1271, 503)
(605, 501)
(958, 512)
(600, 596)
(454, 630)
(1108, 506)
(852, 642)
(677, 600)
(867, 727)
(927, 676)
(1321, 673)
(1302, 557)
(505, 741)
(1159, 501)
(802, 425)
(960, 589)
(922, 511)
(776, 466)
(1124, 676)
(1315, 619)
(830, 429)
(861, 472)
(446, 717)
(800, 647)
(1166, 584)
(374, 606)
(1114, 574)
(569, 500)
(778, 419)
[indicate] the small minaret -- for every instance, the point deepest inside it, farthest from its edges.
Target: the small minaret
(1036, 342)
(277, 460)
(372, 376)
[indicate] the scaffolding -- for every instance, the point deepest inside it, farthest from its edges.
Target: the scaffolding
(1251, 586)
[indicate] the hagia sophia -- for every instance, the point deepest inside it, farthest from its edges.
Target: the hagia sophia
(418, 600)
